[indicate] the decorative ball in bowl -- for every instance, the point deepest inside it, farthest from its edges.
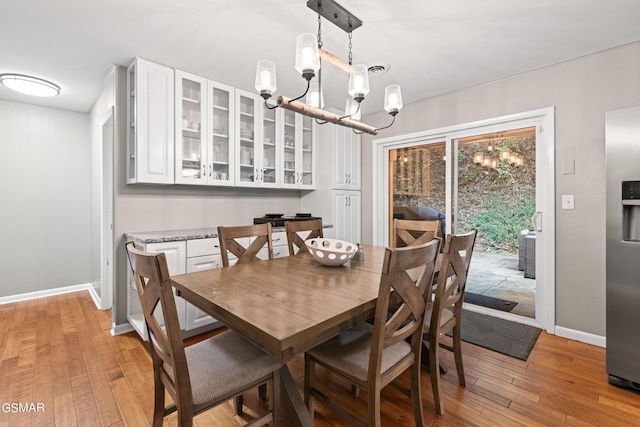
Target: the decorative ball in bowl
(331, 252)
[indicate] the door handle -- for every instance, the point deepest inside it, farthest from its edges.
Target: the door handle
(536, 221)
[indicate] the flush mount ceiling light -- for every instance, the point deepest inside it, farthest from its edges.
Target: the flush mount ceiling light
(309, 54)
(29, 85)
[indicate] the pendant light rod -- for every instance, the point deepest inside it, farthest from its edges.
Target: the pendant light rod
(299, 107)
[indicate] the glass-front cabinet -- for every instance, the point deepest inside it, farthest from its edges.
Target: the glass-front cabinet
(221, 134)
(298, 151)
(257, 135)
(203, 131)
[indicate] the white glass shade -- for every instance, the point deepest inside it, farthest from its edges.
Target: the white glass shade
(29, 85)
(505, 155)
(494, 163)
(359, 81)
(315, 94)
(352, 109)
(392, 98)
(478, 157)
(307, 55)
(486, 161)
(266, 77)
(512, 158)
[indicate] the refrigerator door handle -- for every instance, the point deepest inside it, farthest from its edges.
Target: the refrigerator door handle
(536, 221)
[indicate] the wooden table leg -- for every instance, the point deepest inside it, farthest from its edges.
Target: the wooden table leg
(294, 412)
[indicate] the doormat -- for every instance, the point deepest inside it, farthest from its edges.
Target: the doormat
(510, 338)
(489, 302)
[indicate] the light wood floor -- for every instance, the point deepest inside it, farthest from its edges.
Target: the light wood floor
(57, 351)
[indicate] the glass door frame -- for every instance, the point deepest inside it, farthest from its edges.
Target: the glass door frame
(544, 121)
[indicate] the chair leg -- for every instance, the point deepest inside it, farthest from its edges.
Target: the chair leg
(416, 394)
(237, 404)
(434, 371)
(457, 353)
(309, 380)
(373, 405)
(274, 402)
(158, 402)
(262, 391)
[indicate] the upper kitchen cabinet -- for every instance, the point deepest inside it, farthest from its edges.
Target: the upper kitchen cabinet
(298, 151)
(257, 136)
(150, 120)
(204, 129)
(345, 159)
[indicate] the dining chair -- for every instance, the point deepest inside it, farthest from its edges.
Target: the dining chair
(228, 242)
(445, 313)
(408, 232)
(310, 229)
(202, 375)
(372, 356)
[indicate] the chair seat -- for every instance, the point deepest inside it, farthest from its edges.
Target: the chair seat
(444, 318)
(349, 352)
(223, 364)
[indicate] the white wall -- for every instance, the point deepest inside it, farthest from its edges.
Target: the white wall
(582, 91)
(44, 198)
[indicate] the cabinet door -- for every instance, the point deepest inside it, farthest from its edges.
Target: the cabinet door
(347, 215)
(308, 153)
(221, 134)
(298, 151)
(151, 123)
(191, 128)
(270, 157)
(194, 317)
(345, 154)
(248, 132)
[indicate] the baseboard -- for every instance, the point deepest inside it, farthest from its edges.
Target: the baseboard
(45, 293)
(121, 329)
(584, 337)
(95, 297)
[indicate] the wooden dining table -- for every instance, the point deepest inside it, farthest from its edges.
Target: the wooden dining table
(287, 306)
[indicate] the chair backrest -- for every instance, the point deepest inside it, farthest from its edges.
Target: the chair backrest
(167, 350)
(293, 228)
(409, 232)
(409, 272)
(452, 276)
(228, 236)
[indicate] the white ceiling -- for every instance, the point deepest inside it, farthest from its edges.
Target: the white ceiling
(433, 47)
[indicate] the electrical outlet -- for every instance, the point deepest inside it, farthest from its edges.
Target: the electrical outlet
(567, 201)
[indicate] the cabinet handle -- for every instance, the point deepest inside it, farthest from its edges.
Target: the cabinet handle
(257, 176)
(349, 200)
(346, 201)
(210, 170)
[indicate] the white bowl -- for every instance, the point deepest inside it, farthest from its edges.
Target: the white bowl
(331, 252)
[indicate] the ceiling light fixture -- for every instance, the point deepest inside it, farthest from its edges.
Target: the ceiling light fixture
(309, 54)
(29, 85)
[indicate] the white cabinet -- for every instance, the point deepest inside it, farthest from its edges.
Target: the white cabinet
(279, 243)
(298, 147)
(346, 157)
(202, 254)
(204, 131)
(150, 121)
(257, 155)
(347, 214)
(176, 262)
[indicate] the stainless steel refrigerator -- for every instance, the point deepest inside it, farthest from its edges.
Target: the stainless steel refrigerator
(623, 247)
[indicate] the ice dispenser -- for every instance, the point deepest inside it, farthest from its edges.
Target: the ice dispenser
(631, 211)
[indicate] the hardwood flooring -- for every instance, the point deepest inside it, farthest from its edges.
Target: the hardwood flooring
(58, 352)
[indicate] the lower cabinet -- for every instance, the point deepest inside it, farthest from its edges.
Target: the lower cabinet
(202, 254)
(190, 256)
(176, 262)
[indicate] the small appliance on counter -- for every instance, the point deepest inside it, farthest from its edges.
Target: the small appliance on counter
(278, 219)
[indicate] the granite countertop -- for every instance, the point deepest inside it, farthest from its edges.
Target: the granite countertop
(186, 234)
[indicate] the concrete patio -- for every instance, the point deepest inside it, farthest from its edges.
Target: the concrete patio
(497, 275)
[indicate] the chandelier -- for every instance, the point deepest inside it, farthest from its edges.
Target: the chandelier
(309, 55)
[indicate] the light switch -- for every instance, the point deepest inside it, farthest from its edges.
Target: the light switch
(567, 201)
